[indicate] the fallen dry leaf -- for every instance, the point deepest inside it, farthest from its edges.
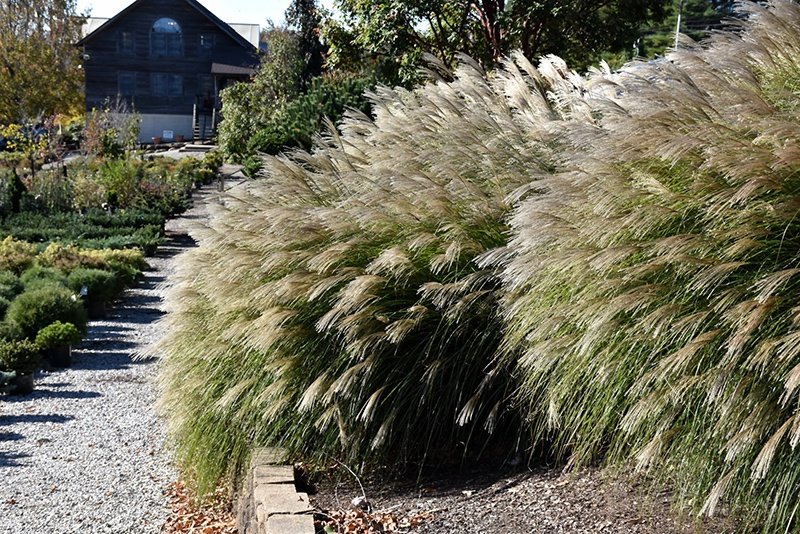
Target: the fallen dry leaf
(190, 516)
(362, 522)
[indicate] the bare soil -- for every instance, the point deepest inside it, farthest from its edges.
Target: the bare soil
(487, 500)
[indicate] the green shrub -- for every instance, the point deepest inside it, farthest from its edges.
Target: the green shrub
(133, 218)
(58, 334)
(38, 276)
(101, 286)
(296, 123)
(248, 106)
(66, 232)
(183, 175)
(15, 255)
(34, 309)
(10, 285)
(251, 166)
(10, 331)
(20, 356)
(212, 160)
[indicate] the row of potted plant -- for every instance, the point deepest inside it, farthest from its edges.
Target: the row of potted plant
(19, 359)
(46, 298)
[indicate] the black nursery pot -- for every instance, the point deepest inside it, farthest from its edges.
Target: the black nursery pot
(59, 357)
(23, 384)
(96, 309)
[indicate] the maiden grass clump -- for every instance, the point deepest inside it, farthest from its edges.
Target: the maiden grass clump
(335, 307)
(371, 300)
(652, 302)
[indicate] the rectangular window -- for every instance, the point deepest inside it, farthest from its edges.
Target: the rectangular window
(126, 44)
(166, 44)
(126, 83)
(166, 85)
(206, 44)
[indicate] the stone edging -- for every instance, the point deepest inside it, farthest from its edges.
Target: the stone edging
(269, 502)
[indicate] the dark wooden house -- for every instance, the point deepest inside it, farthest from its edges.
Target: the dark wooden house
(168, 60)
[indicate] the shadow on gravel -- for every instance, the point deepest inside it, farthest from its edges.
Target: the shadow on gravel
(33, 417)
(111, 360)
(178, 241)
(116, 344)
(10, 436)
(136, 300)
(146, 316)
(9, 459)
(107, 329)
(40, 393)
(154, 279)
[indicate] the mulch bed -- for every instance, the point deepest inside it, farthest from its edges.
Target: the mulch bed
(487, 500)
(482, 499)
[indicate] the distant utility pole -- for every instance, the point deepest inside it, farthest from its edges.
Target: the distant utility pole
(678, 26)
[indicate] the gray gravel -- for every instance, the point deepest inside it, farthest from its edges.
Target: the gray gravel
(85, 452)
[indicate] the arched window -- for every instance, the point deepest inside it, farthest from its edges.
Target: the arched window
(166, 38)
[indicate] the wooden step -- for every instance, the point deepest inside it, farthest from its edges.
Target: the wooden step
(196, 148)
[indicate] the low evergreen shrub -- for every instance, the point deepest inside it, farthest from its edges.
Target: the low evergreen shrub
(36, 308)
(101, 286)
(58, 334)
(38, 276)
(20, 356)
(10, 331)
(16, 255)
(10, 285)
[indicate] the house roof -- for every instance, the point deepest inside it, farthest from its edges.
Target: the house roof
(233, 70)
(244, 34)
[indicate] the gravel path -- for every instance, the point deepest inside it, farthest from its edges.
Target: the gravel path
(85, 452)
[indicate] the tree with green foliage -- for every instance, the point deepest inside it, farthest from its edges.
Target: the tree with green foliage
(305, 17)
(39, 66)
(394, 34)
(580, 31)
(247, 107)
(295, 124)
(698, 19)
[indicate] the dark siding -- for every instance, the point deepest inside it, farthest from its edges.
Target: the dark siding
(106, 59)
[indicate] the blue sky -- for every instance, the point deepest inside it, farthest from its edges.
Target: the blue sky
(239, 11)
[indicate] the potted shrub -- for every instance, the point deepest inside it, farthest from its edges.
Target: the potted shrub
(56, 340)
(37, 308)
(98, 286)
(7, 381)
(21, 357)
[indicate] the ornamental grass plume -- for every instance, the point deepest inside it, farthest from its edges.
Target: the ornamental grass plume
(334, 307)
(653, 304)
